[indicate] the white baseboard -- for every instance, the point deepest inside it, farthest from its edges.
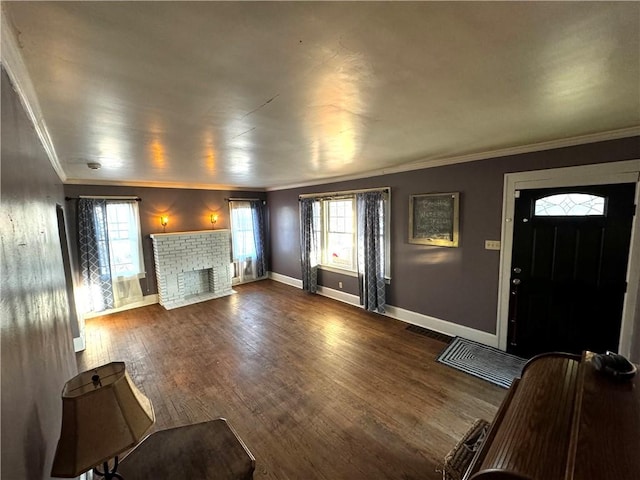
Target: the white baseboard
(324, 291)
(79, 343)
(294, 282)
(146, 300)
(407, 316)
(339, 295)
(442, 326)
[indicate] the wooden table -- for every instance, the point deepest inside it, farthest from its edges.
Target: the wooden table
(563, 420)
(210, 450)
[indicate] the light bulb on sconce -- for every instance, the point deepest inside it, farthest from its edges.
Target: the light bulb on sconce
(214, 219)
(164, 220)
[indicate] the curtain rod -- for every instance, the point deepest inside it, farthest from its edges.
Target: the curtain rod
(237, 199)
(103, 197)
(344, 192)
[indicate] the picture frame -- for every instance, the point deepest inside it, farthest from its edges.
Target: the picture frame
(434, 219)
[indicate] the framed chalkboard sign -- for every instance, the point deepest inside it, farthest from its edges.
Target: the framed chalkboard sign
(434, 218)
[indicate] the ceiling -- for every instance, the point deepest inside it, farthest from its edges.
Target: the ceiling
(272, 94)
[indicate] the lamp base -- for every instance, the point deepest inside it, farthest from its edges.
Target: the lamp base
(107, 473)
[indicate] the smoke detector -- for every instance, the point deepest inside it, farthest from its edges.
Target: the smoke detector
(94, 165)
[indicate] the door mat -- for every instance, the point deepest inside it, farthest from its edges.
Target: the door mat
(481, 361)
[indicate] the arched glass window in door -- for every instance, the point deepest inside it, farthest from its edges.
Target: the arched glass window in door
(570, 205)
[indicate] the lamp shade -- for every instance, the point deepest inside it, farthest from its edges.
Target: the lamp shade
(103, 414)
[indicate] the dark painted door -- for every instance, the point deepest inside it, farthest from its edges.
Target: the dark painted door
(569, 265)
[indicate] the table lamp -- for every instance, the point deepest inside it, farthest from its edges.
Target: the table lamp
(103, 414)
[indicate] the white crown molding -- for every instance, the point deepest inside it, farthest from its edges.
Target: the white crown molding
(17, 70)
(472, 157)
(183, 185)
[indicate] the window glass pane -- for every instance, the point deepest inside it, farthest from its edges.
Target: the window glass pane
(339, 238)
(243, 243)
(123, 238)
(570, 204)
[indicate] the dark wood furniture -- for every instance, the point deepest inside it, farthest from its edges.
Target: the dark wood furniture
(563, 420)
(209, 450)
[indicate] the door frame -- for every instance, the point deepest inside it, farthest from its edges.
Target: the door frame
(597, 174)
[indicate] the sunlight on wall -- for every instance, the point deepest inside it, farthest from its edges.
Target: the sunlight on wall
(435, 256)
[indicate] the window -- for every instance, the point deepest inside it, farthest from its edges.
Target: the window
(349, 232)
(336, 233)
(125, 249)
(247, 239)
(110, 251)
(122, 235)
(242, 237)
(339, 234)
(570, 205)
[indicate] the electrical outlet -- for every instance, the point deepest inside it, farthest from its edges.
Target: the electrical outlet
(339, 284)
(492, 244)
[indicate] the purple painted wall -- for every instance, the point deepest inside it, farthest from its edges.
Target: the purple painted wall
(187, 210)
(36, 342)
(459, 285)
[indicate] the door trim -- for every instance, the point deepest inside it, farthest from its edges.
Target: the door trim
(598, 174)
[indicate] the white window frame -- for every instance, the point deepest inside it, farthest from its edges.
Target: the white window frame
(238, 229)
(132, 238)
(325, 259)
(322, 232)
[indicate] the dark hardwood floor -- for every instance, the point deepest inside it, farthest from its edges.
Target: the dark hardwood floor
(316, 388)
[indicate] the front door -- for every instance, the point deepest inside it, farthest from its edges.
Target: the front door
(569, 266)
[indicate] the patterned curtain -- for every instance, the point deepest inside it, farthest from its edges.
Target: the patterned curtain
(309, 243)
(94, 253)
(371, 245)
(257, 212)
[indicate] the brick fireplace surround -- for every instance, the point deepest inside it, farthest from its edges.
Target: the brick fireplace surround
(192, 267)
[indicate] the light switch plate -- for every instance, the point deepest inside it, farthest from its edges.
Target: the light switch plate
(492, 244)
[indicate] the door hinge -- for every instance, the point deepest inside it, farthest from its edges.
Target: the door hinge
(516, 194)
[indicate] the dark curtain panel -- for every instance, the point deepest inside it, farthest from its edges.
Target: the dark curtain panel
(258, 215)
(94, 253)
(371, 245)
(309, 245)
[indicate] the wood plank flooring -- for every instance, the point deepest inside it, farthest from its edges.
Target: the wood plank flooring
(316, 388)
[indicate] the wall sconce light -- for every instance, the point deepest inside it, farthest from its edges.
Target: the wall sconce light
(214, 219)
(164, 220)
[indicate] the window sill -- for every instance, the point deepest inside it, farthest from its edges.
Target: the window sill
(348, 273)
(341, 271)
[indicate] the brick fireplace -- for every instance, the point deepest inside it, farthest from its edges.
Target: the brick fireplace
(192, 267)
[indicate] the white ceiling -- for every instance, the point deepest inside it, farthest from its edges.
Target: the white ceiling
(271, 94)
